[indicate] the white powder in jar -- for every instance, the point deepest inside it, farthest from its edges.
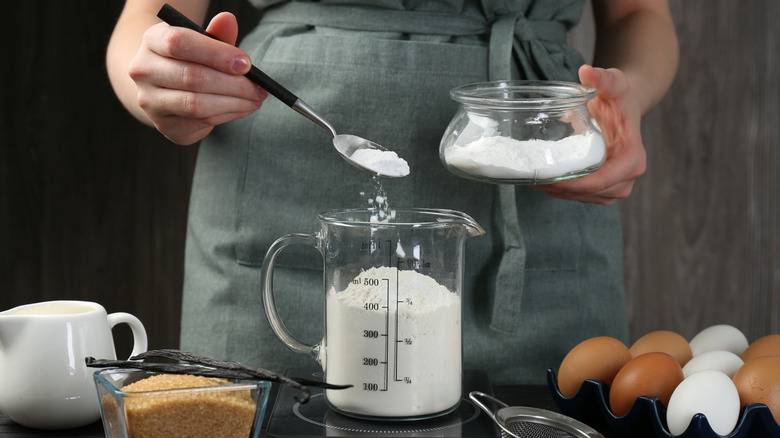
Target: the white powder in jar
(381, 162)
(509, 158)
(416, 368)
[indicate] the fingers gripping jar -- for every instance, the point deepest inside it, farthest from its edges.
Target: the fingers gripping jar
(522, 132)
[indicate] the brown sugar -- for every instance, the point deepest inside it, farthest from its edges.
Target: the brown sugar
(198, 413)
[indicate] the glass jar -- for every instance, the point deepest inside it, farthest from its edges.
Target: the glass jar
(522, 132)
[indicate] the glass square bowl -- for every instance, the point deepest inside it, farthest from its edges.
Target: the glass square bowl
(231, 410)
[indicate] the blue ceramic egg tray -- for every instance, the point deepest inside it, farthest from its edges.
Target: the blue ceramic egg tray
(647, 418)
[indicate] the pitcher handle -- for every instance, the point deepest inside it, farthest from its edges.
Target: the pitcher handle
(267, 283)
(139, 332)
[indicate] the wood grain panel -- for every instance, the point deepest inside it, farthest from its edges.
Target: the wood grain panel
(701, 228)
(93, 204)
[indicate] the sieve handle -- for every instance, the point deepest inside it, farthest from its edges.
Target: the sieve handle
(475, 397)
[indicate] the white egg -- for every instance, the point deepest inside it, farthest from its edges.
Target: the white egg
(708, 392)
(719, 337)
(719, 360)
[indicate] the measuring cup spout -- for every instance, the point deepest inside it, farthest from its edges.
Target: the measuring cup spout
(469, 226)
(473, 229)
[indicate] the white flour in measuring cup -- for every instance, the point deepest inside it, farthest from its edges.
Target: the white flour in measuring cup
(416, 369)
(506, 157)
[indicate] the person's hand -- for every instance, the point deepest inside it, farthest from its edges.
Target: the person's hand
(188, 83)
(618, 113)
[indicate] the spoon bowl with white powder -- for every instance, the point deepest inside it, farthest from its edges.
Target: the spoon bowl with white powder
(370, 156)
(522, 132)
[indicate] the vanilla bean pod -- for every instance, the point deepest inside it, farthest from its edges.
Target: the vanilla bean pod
(257, 372)
(189, 363)
(171, 368)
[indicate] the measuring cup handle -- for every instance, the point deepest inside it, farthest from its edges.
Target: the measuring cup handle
(267, 284)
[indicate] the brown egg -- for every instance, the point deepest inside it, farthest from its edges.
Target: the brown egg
(758, 381)
(598, 358)
(663, 341)
(654, 374)
(768, 345)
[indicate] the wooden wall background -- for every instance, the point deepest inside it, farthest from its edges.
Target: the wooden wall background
(93, 205)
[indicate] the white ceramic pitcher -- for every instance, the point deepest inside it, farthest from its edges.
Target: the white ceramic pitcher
(44, 382)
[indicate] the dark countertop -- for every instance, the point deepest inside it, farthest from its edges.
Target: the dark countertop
(515, 395)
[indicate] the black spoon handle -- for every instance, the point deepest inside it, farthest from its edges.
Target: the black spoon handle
(173, 17)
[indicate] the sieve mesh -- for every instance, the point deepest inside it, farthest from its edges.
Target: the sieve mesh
(528, 429)
(528, 422)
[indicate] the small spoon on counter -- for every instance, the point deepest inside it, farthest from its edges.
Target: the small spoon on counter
(359, 152)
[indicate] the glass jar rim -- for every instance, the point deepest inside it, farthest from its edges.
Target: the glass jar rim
(512, 95)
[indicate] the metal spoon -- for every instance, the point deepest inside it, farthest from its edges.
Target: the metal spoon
(345, 144)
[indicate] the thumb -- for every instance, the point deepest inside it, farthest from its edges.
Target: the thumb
(589, 76)
(224, 27)
(609, 83)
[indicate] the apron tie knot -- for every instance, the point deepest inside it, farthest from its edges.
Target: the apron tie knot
(526, 48)
(523, 29)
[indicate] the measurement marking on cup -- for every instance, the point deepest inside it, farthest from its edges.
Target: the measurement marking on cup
(398, 301)
(390, 251)
(391, 358)
(387, 329)
(397, 286)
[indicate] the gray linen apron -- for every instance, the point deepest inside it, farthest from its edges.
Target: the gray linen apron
(547, 274)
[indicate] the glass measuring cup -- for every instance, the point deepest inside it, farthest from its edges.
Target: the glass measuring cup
(392, 309)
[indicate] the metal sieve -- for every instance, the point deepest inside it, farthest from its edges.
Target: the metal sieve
(525, 422)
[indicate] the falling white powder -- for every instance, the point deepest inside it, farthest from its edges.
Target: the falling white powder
(396, 336)
(386, 163)
(509, 158)
(381, 211)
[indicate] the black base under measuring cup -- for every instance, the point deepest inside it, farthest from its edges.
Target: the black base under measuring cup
(316, 419)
